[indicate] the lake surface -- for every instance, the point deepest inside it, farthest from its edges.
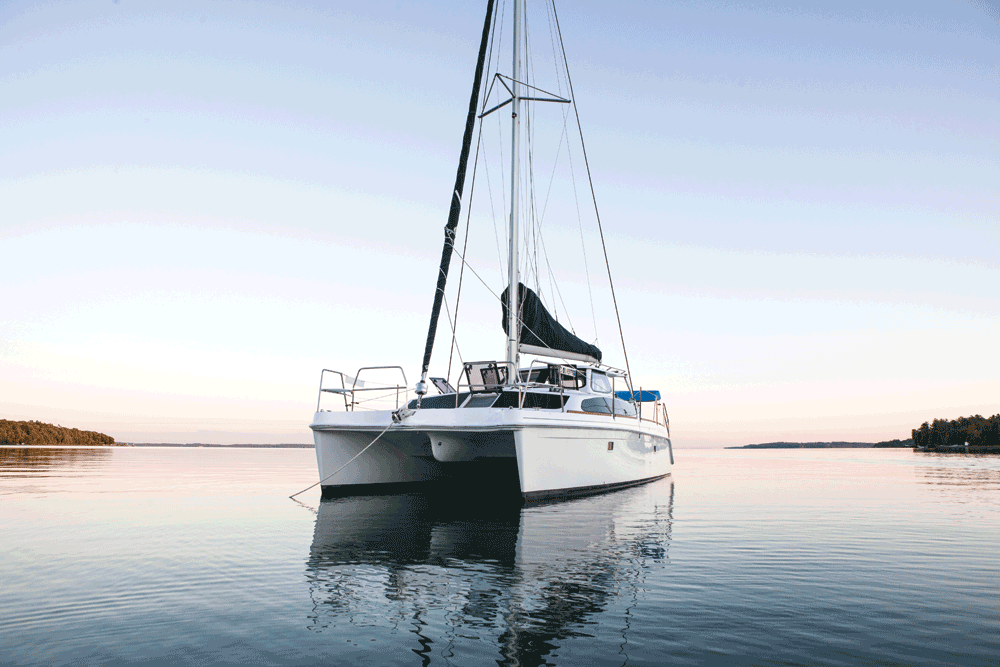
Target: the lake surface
(145, 556)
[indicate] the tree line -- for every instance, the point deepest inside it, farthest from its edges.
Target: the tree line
(977, 430)
(38, 433)
(895, 443)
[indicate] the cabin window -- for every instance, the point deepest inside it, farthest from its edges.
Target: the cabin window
(623, 407)
(602, 405)
(598, 405)
(444, 401)
(481, 401)
(600, 383)
(535, 375)
(572, 378)
(545, 401)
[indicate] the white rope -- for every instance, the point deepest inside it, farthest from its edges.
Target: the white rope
(346, 464)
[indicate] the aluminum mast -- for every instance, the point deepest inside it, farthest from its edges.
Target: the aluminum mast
(513, 293)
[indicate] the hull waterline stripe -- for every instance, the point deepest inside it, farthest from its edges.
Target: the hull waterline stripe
(569, 492)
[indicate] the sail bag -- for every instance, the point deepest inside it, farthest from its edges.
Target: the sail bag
(539, 328)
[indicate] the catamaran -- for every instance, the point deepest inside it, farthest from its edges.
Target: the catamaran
(562, 424)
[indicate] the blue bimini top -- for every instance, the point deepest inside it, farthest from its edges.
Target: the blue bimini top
(644, 396)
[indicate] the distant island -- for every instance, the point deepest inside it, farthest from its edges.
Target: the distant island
(975, 434)
(34, 434)
(826, 445)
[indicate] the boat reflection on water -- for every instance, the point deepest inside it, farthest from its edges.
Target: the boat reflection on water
(455, 574)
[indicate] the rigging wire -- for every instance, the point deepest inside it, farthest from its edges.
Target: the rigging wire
(583, 244)
(537, 221)
(555, 163)
(545, 206)
(503, 199)
(453, 325)
(523, 325)
(600, 229)
(557, 290)
(552, 42)
(503, 183)
(531, 252)
(534, 232)
(493, 211)
(549, 9)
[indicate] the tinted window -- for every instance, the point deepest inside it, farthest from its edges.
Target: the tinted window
(536, 375)
(622, 407)
(481, 401)
(603, 406)
(546, 401)
(595, 405)
(444, 401)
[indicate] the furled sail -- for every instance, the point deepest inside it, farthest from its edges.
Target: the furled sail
(539, 328)
(456, 203)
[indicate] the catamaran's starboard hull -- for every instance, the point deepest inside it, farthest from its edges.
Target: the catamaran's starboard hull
(535, 454)
(559, 462)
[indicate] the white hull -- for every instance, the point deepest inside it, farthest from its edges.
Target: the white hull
(562, 461)
(553, 453)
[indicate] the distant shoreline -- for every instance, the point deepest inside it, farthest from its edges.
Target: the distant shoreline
(827, 445)
(201, 444)
(152, 444)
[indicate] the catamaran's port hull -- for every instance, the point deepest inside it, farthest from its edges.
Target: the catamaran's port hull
(533, 453)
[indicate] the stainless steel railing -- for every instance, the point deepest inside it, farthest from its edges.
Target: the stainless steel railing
(358, 394)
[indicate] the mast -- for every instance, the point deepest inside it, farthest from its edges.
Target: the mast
(513, 294)
(456, 205)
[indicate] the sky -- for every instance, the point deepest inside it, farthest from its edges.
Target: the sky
(202, 205)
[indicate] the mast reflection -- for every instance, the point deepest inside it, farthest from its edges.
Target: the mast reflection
(447, 570)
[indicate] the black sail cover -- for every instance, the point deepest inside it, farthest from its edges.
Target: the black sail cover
(539, 328)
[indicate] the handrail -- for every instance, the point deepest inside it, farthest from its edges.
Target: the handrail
(319, 395)
(348, 391)
(531, 367)
(350, 402)
(614, 395)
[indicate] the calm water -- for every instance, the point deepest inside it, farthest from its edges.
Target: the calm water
(197, 556)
